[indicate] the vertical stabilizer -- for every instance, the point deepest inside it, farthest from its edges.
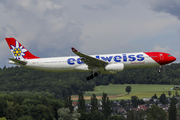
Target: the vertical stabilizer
(18, 51)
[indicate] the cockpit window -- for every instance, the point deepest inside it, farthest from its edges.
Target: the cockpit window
(169, 55)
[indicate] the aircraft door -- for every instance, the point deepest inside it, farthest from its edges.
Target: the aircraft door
(161, 56)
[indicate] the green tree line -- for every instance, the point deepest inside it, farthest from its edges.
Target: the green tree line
(26, 80)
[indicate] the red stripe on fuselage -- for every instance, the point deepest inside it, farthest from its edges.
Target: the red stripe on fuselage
(160, 57)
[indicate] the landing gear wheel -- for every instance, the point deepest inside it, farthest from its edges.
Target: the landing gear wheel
(91, 77)
(159, 70)
(95, 74)
(88, 78)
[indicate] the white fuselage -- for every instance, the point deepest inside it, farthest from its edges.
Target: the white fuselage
(73, 63)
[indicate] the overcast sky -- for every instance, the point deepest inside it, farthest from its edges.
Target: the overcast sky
(49, 28)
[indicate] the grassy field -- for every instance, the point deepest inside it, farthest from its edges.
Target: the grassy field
(117, 92)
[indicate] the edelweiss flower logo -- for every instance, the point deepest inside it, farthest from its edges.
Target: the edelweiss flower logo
(18, 51)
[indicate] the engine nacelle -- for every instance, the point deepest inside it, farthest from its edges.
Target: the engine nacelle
(82, 67)
(115, 67)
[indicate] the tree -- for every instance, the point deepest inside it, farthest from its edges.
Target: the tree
(141, 114)
(116, 117)
(64, 114)
(56, 104)
(3, 106)
(81, 102)
(178, 111)
(169, 93)
(27, 117)
(13, 111)
(176, 93)
(123, 103)
(31, 102)
(162, 99)
(172, 110)
(84, 115)
(3, 118)
(141, 102)
(106, 108)
(156, 113)
(96, 115)
(131, 115)
(45, 112)
(25, 108)
(94, 103)
(128, 89)
(155, 96)
(135, 101)
(136, 115)
(34, 112)
(68, 103)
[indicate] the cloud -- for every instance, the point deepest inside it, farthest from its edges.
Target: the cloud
(177, 55)
(115, 34)
(41, 26)
(119, 2)
(105, 4)
(96, 7)
(179, 31)
(168, 6)
(157, 48)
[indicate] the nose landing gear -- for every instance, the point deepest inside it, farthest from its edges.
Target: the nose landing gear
(159, 70)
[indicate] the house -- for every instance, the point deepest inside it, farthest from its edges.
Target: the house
(165, 107)
(121, 111)
(88, 107)
(176, 87)
(128, 102)
(146, 99)
(75, 105)
(142, 107)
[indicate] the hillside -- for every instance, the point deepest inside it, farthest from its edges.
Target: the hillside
(28, 81)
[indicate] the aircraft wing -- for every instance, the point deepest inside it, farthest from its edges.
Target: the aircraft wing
(19, 62)
(90, 61)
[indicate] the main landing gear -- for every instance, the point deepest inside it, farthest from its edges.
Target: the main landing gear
(92, 76)
(159, 70)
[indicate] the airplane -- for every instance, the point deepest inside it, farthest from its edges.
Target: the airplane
(95, 64)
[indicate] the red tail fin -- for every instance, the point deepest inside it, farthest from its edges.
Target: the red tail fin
(19, 51)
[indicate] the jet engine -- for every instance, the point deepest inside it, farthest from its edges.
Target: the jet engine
(115, 67)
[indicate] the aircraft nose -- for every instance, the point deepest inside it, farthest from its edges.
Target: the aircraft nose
(173, 58)
(167, 59)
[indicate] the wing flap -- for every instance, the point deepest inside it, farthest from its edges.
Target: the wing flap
(19, 62)
(90, 61)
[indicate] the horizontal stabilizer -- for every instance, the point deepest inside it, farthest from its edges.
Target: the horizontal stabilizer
(20, 62)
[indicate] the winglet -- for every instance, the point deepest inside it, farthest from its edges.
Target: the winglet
(74, 50)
